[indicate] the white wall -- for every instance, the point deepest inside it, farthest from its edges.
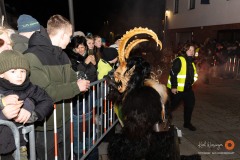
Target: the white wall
(215, 13)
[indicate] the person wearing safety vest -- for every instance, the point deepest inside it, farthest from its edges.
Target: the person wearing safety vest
(182, 76)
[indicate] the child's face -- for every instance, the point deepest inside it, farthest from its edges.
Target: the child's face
(15, 76)
(98, 42)
(90, 43)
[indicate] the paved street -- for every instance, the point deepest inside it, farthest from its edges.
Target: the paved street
(217, 118)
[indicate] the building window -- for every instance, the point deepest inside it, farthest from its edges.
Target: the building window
(191, 4)
(176, 4)
(205, 1)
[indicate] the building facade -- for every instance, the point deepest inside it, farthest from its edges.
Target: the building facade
(197, 20)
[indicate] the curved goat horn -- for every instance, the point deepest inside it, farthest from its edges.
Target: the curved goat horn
(131, 45)
(123, 51)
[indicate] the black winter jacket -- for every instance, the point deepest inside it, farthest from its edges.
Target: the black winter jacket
(78, 64)
(36, 101)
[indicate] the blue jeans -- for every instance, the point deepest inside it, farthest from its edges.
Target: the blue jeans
(75, 133)
(88, 141)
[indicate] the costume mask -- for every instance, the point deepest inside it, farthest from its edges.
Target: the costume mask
(122, 74)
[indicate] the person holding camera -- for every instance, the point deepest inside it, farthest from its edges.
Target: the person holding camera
(82, 63)
(85, 67)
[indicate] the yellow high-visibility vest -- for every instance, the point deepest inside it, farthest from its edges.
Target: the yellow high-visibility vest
(181, 77)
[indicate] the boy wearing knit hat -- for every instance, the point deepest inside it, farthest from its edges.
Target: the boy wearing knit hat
(107, 62)
(26, 25)
(14, 80)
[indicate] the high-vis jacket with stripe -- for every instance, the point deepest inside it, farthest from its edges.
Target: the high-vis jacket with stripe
(181, 76)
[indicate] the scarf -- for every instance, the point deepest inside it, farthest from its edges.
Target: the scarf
(6, 87)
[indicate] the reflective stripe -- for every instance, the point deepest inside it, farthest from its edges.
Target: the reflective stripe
(195, 72)
(181, 84)
(181, 76)
(169, 82)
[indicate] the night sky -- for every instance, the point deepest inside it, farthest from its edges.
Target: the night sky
(92, 16)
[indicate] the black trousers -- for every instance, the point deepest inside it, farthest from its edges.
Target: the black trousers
(7, 156)
(188, 99)
(40, 148)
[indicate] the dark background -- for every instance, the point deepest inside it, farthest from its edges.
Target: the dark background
(97, 17)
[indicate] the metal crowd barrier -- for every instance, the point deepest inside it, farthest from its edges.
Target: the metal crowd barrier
(101, 121)
(103, 118)
(25, 130)
(15, 131)
(238, 69)
(232, 67)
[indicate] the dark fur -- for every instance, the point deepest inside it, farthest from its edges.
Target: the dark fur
(154, 146)
(141, 72)
(141, 109)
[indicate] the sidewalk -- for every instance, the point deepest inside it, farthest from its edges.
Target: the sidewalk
(217, 119)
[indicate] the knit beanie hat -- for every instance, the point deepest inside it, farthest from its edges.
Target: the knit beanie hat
(109, 54)
(117, 38)
(78, 33)
(10, 59)
(27, 23)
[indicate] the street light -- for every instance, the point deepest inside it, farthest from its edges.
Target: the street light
(71, 13)
(167, 12)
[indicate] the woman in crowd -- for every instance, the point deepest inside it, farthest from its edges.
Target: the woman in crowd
(85, 66)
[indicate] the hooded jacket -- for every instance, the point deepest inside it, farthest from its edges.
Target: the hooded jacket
(20, 43)
(51, 69)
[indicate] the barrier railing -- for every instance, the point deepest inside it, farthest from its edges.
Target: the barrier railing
(95, 121)
(238, 69)
(15, 131)
(29, 129)
(94, 116)
(232, 67)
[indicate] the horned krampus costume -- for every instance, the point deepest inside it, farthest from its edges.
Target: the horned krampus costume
(140, 106)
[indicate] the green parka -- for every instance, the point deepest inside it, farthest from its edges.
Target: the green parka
(50, 68)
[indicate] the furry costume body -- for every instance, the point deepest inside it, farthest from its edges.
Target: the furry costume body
(141, 107)
(140, 103)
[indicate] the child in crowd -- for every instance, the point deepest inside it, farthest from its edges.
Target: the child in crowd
(98, 47)
(90, 43)
(107, 62)
(37, 105)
